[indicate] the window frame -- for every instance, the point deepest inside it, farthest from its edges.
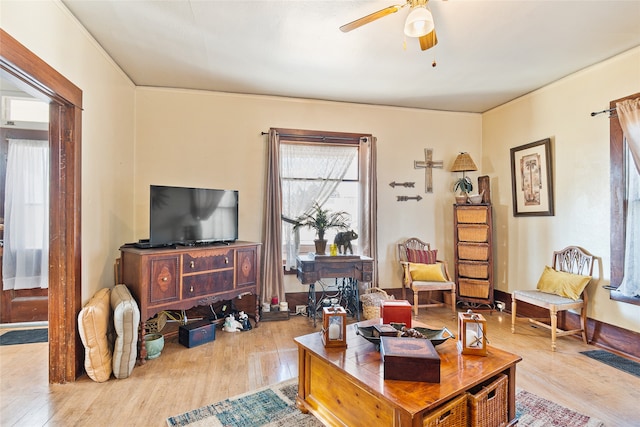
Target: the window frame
(618, 213)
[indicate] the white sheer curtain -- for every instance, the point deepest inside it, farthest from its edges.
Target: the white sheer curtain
(629, 115)
(310, 173)
(25, 261)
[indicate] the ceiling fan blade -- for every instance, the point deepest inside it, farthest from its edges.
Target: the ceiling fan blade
(428, 41)
(370, 18)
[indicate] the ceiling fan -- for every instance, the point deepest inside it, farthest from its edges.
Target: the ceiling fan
(419, 22)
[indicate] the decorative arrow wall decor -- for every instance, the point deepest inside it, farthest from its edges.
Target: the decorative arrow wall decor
(402, 184)
(406, 198)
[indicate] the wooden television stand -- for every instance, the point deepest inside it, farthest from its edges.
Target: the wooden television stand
(184, 277)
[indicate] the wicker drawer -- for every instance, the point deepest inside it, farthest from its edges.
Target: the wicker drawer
(473, 251)
(488, 404)
(472, 215)
(473, 288)
(452, 414)
(473, 270)
(473, 233)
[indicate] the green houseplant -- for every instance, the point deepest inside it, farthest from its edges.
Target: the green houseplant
(322, 220)
(465, 186)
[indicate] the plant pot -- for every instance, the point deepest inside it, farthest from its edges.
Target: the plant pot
(154, 343)
(321, 246)
(461, 199)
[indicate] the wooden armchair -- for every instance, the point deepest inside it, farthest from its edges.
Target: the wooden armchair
(571, 259)
(428, 277)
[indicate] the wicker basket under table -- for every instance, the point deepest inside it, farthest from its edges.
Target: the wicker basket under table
(452, 414)
(488, 407)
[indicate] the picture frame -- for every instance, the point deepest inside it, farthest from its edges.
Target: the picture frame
(532, 179)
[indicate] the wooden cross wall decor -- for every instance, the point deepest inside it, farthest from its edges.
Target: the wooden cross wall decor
(428, 164)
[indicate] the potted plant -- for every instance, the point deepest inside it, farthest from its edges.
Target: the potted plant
(465, 186)
(322, 220)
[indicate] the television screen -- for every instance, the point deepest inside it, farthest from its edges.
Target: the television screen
(180, 215)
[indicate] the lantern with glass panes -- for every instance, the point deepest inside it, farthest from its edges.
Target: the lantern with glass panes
(472, 333)
(334, 326)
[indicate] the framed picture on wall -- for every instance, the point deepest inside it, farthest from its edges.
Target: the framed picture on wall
(532, 179)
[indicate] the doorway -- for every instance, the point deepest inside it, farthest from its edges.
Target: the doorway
(24, 297)
(34, 76)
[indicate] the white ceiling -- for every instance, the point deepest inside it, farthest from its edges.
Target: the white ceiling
(489, 51)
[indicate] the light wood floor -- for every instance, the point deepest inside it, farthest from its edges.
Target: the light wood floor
(182, 379)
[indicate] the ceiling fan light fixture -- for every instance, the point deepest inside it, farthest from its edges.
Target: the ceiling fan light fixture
(419, 22)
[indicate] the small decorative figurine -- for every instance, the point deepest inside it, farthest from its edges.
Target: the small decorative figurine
(231, 324)
(244, 321)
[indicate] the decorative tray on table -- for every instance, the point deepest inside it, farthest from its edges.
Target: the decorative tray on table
(436, 336)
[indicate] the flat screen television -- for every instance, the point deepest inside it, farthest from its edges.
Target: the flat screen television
(189, 216)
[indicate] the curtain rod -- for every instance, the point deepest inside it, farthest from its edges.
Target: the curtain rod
(610, 110)
(320, 137)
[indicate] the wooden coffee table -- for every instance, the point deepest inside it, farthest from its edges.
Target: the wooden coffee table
(346, 386)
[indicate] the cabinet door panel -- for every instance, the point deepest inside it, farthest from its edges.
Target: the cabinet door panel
(164, 280)
(207, 284)
(246, 267)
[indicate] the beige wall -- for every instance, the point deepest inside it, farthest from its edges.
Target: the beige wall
(195, 138)
(51, 32)
(580, 152)
(136, 137)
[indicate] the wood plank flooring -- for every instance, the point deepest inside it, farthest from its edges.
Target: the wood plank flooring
(182, 379)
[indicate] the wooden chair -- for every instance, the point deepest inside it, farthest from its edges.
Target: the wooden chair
(424, 286)
(571, 259)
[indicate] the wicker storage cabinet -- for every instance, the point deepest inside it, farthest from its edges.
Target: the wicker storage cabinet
(452, 414)
(473, 229)
(488, 406)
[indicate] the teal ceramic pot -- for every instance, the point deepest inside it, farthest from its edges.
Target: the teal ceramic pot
(154, 344)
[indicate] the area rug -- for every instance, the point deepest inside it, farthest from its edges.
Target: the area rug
(25, 336)
(615, 361)
(534, 411)
(274, 406)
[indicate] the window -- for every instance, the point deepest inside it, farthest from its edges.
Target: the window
(322, 173)
(623, 178)
(25, 113)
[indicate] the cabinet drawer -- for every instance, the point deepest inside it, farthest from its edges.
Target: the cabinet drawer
(164, 279)
(473, 251)
(207, 284)
(473, 270)
(473, 288)
(206, 260)
(473, 233)
(472, 215)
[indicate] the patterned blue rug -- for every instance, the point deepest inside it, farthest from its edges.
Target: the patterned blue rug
(24, 336)
(274, 406)
(615, 361)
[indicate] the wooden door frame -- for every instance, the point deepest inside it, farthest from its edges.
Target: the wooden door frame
(36, 77)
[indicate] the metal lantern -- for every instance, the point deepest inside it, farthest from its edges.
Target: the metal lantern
(334, 326)
(472, 333)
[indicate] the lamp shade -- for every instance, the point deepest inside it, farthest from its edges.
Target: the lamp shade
(419, 22)
(464, 163)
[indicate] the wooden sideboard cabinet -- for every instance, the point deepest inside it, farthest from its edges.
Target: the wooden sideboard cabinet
(184, 277)
(473, 230)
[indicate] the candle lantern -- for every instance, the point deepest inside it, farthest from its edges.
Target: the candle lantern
(334, 326)
(472, 333)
